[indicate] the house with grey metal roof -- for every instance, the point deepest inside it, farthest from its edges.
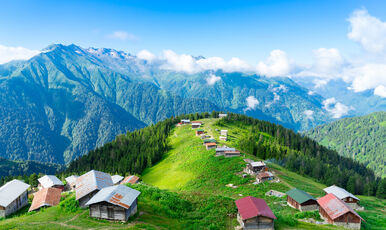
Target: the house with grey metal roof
(344, 195)
(89, 184)
(13, 196)
(255, 167)
(301, 200)
(117, 202)
(117, 179)
(221, 150)
(71, 182)
(49, 181)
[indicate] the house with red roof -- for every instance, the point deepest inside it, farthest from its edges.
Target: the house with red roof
(254, 213)
(334, 211)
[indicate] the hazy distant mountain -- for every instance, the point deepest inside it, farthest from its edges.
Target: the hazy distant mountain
(69, 100)
(361, 138)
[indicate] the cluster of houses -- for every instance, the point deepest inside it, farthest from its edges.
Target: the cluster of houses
(105, 195)
(336, 207)
(260, 170)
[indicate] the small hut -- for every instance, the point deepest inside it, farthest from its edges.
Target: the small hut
(223, 138)
(301, 200)
(254, 213)
(130, 180)
(344, 195)
(185, 121)
(13, 196)
(232, 153)
(89, 184)
(49, 181)
(255, 167)
(199, 132)
(224, 132)
(209, 141)
(46, 197)
(264, 176)
(334, 211)
(221, 150)
(196, 125)
(71, 182)
(117, 179)
(117, 202)
(210, 145)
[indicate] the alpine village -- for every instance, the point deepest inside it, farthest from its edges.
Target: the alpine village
(247, 187)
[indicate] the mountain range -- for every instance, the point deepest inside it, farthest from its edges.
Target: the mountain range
(68, 100)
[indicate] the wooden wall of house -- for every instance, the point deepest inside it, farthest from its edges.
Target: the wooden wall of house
(260, 222)
(105, 210)
(292, 202)
(17, 204)
(85, 199)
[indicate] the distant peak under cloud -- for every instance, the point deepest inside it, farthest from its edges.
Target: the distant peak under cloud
(8, 54)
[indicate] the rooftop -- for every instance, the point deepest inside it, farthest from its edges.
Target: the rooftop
(120, 195)
(257, 164)
(339, 192)
(335, 207)
(11, 190)
(250, 207)
(46, 197)
(299, 196)
(116, 178)
(130, 179)
(49, 181)
(91, 181)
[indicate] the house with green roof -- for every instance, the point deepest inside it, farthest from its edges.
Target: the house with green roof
(199, 132)
(301, 200)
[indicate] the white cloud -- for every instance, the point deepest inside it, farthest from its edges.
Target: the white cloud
(8, 54)
(252, 103)
(380, 91)
(319, 83)
(336, 108)
(212, 79)
(146, 55)
(309, 114)
(327, 61)
(184, 63)
(277, 64)
(367, 76)
(122, 35)
(280, 88)
(369, 31)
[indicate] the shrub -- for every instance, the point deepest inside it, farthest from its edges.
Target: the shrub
(69, 205)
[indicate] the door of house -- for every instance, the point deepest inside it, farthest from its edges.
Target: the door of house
(110, 213)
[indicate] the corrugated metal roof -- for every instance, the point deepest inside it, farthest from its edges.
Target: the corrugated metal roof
(209, 140)
(45, 197)
(265, 175)
(12, 190)
(210, 144)
(120, 195)
(223, 149)
(71, 179)
(130, 179)
(116, 179)
(49, 181)
(250, 207)
(195, 123)
(91, 181)
(334, 206)
(199, 130)
(185, 120)
(339, 192)
(299, 196)
(257, 163)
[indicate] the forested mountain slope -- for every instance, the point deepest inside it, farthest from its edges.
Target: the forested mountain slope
(20, 168)
(361, 138)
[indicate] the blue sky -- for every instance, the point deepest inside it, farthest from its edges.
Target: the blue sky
(245, 29)
(322, 39)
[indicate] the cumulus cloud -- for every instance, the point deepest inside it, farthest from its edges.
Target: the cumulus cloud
(123, 36)
(335, 108)
(309, 114)
(146, 55)
(369, 31)
(212, 79)
(252, 103)
(380, 91)
(319, 83)
(327, 61)
(8, 54)
(183, 63)
(367, 76)
(277, 64)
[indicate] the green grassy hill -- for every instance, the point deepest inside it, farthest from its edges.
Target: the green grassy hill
(187, 189)
(361, 138)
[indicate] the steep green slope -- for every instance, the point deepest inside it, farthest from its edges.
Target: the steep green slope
(361, 138)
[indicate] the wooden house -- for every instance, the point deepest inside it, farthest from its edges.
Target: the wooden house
(344, 195)
(209, 141)
(223, 138)
(210, 145)
(71, 182)
(224, 132)
(49, 181)
(89, 184)
(185, 121)
(232, 153)
(199, 132)
(334, 211)
(221, 150)
(204, 136)
(264, 176)
(130, 180)
(13, 196)
(196, 125)
(301, 200)
(117, 179)
(255, 167)
(254, 213)
(222, 115)
(46, 197)
(117, 202)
